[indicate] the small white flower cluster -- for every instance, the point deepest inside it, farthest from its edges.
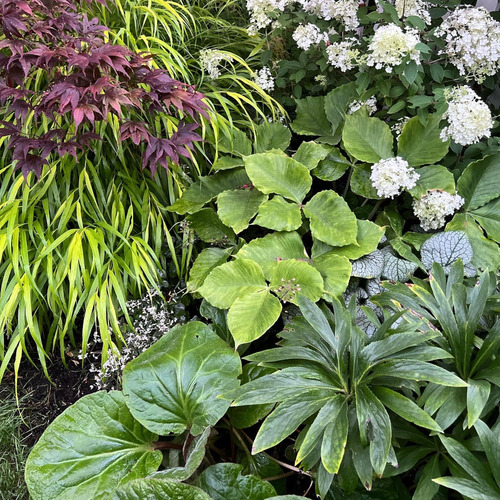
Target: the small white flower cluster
(419, 8)
(260, 10)
(371, 106)
(397, 128)
(390, 45)
(390, 176)
(264, 79)
(472, 41)
(210, 59)
(343, 11)
(434, 206)
(469, 118)
(343, 55)
(321, 80)
(307, 35)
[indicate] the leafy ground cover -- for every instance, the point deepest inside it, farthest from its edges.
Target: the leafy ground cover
(249, 250)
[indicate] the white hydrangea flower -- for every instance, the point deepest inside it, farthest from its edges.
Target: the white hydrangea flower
(390, 176)
(320, 79)
(264, 79)
(472, 41)
(259, 12)
(419, 8)
(397, 128)
(307, 35)
(210, 59)
(343, 11)
(371, 105)
(434, 206)
(343, 55)
(469, 118)
(390, 45)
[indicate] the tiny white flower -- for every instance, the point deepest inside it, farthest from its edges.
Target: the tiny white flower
(211, 59)
(434, 207)
(371, 105)
(264, 79)
(343, 11)
(390, 176)
(343, 55)
(397, 128)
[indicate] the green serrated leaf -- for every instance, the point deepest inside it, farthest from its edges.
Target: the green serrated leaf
(279, 215)
(310, 153)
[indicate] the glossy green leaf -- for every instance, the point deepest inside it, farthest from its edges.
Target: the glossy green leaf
(231, 280)
(235, 142)
(334, 441)
(471, 489)
(332, 167)
(422, 145)
(311, 153)
(367, 139)
(90, 449)
(174, 385)
(490, 441)
(251, 315)
(227, 163)
(488, 216)
(361, 183)
(209, 227)
(273, 173)
(279, 215)
(478, 393)
(236, 208)
(272, 136)
(332, 221)
(433, 177)
(426, 487)
(158, 489)
(311, 117)
(337, 103)
(336, 272)
(208, 259)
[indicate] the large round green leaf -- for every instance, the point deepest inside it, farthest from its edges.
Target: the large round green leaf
(90, 449)
(272, 136)
(336, 272)
(236, 208)
(279, 215)
(310, 153)
(361, 183)
(251, 315)
(227, 282)
(274, 173)
(159, 489)
(433, 177)
(332, 221)
(207, 260)
(367, 139)
(174, 385)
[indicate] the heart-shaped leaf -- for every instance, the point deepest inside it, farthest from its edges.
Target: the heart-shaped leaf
(445, 248)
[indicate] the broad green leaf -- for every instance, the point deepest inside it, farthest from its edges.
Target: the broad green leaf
(433, 177)
(90, 449)
(445, 248)
(227, 163)
(367, 139)
(231, 280)
(335, 270)
(235, 142)
(207, 260)
(293, 278)
(337, 103)
(478, 393)
(251, 315)
(426, 487)
(311, 153)
(174, 385)
(271, 136)
(488, 216)
(158, 489)
(361, 183)
(279, 215)
(311, 117)
(334, 441)
(195, 455)
(273, 173)
(332, 221)
(468, 488)
(452, 407)
(332, 167)
(209, 227)
(273, 248)
(405, 408)
(422, 145)
(236, 208)
(207, 188)
(490, 440)
(480, 182)
(224, 482)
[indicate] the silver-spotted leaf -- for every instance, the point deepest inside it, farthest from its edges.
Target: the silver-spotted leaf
(370, 266)
(396, 269)
(445, 248)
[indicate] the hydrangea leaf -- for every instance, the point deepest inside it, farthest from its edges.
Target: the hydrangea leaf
(224, 481)
(337, 103)
(279, 215)
(235, 208)
(272, 136)
(361, 183)
(422, 145)
(207, 260)
(311, 153)
(251, 315)
(445, 248)
(174, 385)
(336, 271)
(229, 281)
(209, 227)
(272, 248)
(433, 177)
(274, 173)
(92, 447)
(396, 269)
(370, 266)
(367, 139)
(332, 221)
(311, 117)
(488, 216)
(159, 489)
(292, 278)
(207, 188)
(332, 167)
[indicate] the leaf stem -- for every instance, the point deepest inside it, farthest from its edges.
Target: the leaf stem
(166, 445)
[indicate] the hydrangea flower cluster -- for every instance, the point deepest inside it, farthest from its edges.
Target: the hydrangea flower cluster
(390, 45)
(210, 60)
(390, 176)
(344, 11)
(264, 79)
(259, 13)
(419, 8)
(371, 105)
(307, 35)
(472, 42)
(469, 118)
(397, 128)
(434, 206)
(343, 55)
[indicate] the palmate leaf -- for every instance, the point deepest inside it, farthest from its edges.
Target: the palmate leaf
(174, 385)
(90, 449)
